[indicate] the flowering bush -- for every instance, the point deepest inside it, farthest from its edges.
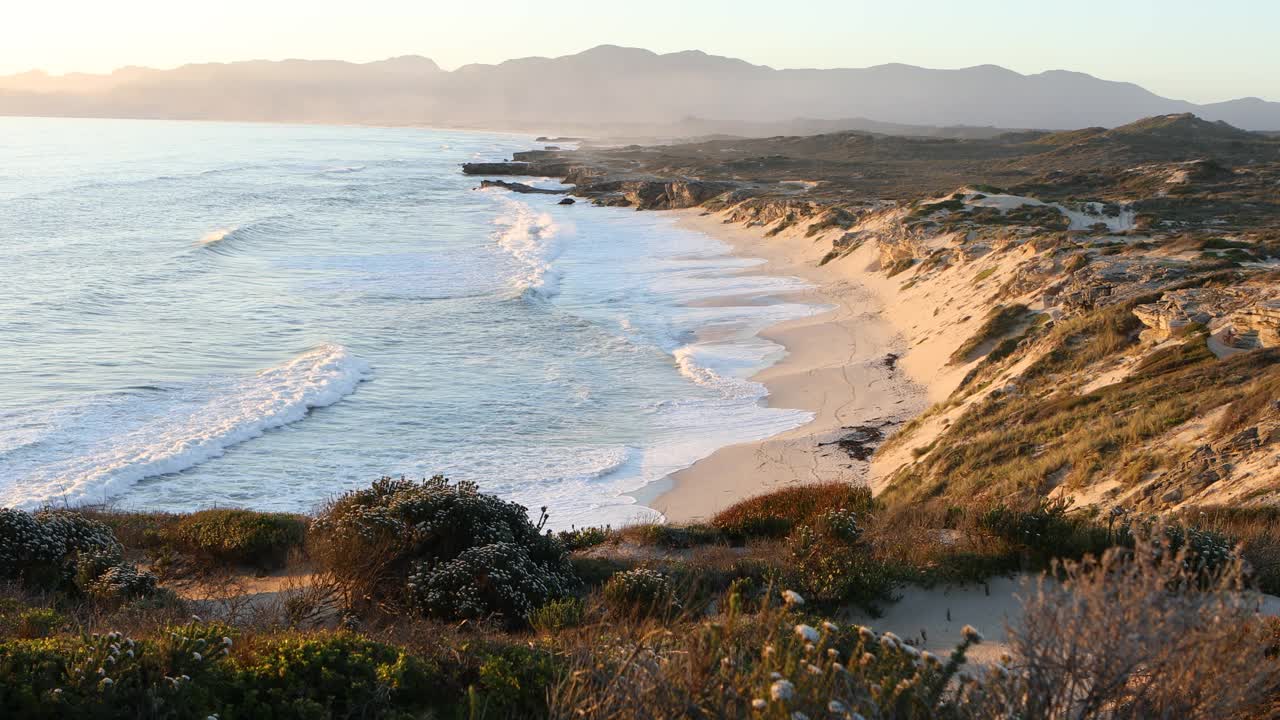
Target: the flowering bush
(840, 524)
(640, 592)
(64, 551)
(442, 548)
(496, 579)
(113, 676)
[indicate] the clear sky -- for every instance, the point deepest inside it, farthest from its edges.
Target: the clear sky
(1201, 51)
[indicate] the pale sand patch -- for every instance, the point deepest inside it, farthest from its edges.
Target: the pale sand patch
(835, 367)
(933, 618)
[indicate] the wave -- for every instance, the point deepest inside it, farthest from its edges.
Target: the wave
(216, 236)
(109, 448)
(531, 237)
(712, 366)
(232, 239)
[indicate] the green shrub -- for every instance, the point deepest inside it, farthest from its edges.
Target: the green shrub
(1048, 531)
(640, 593)
(558, 615)
(240, 536)
(513, 681)
(830, 570)
(336, 675)
(583, 538)
(442, 548)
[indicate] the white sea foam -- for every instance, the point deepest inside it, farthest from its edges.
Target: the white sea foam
(108, 448)
(532, 238)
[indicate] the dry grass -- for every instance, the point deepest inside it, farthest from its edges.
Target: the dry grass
(1000, 322)
(777, 513)
(1010, 445)
(1136, 635)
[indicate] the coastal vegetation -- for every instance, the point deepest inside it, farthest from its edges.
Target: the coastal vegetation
(431, 599)
(1108, 437)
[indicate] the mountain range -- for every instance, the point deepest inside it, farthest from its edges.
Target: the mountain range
(612, 90)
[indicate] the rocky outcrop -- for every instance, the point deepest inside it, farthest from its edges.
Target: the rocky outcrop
(1257, 325)
(519, 187)
(1245, 317)
(546, 168)
(655, 194)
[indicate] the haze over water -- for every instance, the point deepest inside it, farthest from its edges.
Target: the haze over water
(264, 316)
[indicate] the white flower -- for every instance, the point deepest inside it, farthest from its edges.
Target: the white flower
(930, 658)
(797, 715)
(833, 653)
(856, 716)
(759, 703)
(830, 626)
(807, 632)
(837, 667)
(837, 707)
(782, 690)
(775, 675)
(910, 650)
(197, 656)
(768, 650)
(226, 641)
(971, 634)
(108, 682)
(813, 669)
(866, 633)
(791, 597)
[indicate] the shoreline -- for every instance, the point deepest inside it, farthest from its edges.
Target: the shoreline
(840, 365)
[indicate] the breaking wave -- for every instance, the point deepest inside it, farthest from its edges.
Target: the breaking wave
(104, 450)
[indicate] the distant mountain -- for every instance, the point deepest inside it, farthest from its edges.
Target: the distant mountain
(611, 90)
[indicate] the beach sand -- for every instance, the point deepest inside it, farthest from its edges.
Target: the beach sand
(843, 365)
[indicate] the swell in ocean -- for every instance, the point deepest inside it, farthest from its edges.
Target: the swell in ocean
(106, 446)
(556, 355)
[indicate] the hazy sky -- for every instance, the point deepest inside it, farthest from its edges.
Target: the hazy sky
(1200, 51)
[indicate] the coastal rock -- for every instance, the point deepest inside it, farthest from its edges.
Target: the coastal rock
(656, 194)
(566, 201)
(547, 168)
(1248, 316)
(520, 188)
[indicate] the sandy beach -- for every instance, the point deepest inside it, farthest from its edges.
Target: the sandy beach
(843, 365)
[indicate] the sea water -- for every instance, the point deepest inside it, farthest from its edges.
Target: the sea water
(265, 316)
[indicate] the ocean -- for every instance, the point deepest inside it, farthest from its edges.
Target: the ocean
(265, 316)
